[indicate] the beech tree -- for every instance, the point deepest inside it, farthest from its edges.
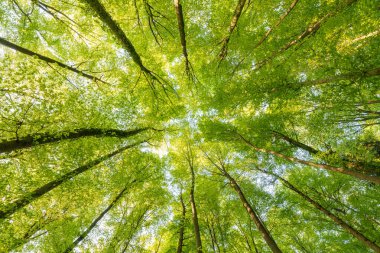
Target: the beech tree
(189, 126)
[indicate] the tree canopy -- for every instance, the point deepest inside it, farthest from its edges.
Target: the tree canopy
(189, 126)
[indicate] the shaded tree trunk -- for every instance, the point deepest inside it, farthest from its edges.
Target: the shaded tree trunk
(332, 216)
(198, 241)
(367, 177)
(181, 29)
(251, 212)
(105, 17)
(22, 50)
(182, 226)
(97, 219)
(256, 219)
(30, 197)
(234, 21)
(45, 138)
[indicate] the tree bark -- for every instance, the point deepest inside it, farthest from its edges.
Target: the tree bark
(367, 177)
(45, 138)
(181, 29)
(47, 59)
(251, 212)
(104, 16)
(95, 222)
(30, 197)
(235, 18)
(332, 216)
(198, 241)
(182, 226)
(256, 219)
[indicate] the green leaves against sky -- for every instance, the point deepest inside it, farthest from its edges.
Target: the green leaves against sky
(189, 126)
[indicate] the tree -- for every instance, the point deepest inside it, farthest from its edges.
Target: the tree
(186, 99)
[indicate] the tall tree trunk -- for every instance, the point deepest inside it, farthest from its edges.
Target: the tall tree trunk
(181, 29)
(234, 21)
(332, 216)
(198, 241)
(95, 222)
(44, 138)
(182, 226)
(6, 43)
(367, 177)
(251, 212)
(195, 213)
(105, 17)
(30, 197)
(256, 219)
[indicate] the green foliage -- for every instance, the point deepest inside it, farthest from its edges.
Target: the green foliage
(319, 90)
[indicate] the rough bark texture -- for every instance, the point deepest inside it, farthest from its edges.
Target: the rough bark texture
(99, 9)
(30, 197)
(367, 177)
(6, 43)
(95, 221)
(181, 29)
(335, 218)
(45, 138)
(266, 35)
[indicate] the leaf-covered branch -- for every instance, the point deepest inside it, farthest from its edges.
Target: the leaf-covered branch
(25, 51)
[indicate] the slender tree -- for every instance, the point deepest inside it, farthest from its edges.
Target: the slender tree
(190, 161)
(45, 138)
(181, 225)
(355, 233)
(252, 214)
(367, 177)
(48, 60)
(37, 193)
(93, 224)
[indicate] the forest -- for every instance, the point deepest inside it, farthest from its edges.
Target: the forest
(178, 126)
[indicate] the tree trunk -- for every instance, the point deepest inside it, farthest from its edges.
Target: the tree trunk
(256, 219)
(367, 177)
(44, 138)
(335, 218)
(30, 197)
(95, 222)
(182, 226)
(190, 160)
(105, 17)
(235, 18)
(194, 213)
(47, 59)
(181, 29)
